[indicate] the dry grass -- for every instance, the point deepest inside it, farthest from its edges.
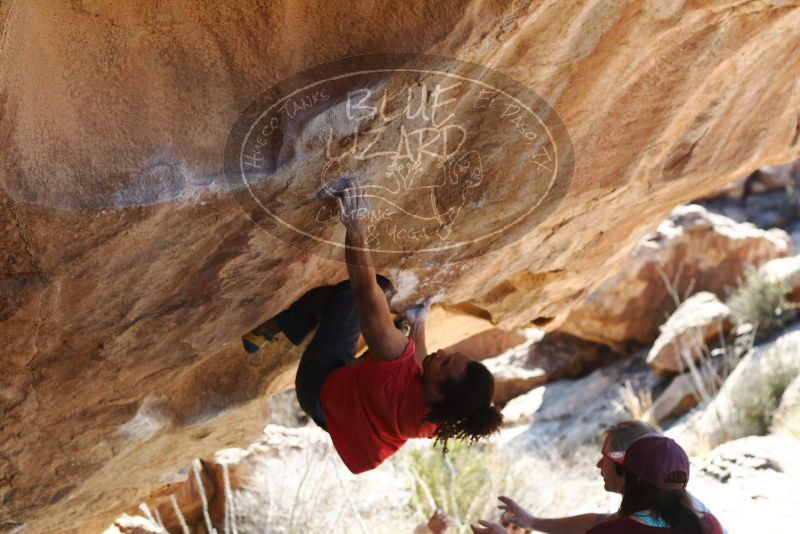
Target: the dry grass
(633, 403)
(465, 483)
(710, 367)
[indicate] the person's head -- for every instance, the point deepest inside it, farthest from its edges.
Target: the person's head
(459, 393)
(619, 437)
(656, 472)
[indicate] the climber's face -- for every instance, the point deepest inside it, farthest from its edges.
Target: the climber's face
(439, 367)
(612, 481)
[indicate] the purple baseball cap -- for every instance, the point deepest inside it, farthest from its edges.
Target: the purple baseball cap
(653, 458)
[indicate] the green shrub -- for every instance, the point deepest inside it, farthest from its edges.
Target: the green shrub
(760, 301)
(464, 483)
(789, 423)
(758, 397)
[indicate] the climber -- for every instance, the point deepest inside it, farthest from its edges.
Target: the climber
(372, 405)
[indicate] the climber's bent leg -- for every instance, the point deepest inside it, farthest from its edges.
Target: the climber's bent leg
(332, 346)
(297, 321)
(305, 313)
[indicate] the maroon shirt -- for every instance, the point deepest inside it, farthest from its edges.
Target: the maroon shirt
(625, 525)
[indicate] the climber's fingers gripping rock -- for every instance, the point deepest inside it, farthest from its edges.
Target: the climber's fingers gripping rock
(353, 207)
(419, 313)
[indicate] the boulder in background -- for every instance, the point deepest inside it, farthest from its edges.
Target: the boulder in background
(693, 250)
(553, 357)
(699, 321)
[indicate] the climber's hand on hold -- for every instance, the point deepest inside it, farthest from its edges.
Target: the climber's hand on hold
(419, 313)
(416, 316)
(353, 208)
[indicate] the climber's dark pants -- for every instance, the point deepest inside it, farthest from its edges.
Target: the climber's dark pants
(334, 313)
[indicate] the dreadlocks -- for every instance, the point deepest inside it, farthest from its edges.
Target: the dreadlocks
(466, 411)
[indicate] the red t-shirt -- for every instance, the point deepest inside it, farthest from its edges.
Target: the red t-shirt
(371, 409)
(625, 525)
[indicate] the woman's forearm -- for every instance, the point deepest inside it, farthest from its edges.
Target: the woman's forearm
(576, 524)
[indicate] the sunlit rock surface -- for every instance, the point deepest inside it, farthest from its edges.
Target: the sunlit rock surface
(541, 360)
(129, 271)
(693, 250)
(750, 483)
(699, 322)
(746, 402)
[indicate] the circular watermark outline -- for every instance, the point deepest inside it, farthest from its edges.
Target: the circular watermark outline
(379, 69)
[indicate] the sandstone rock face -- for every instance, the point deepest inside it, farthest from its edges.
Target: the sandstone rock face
(772, 200)
(553, 357)
(522, 409)
(686, 390)
(489, 344)
(129, 270)
(693, 250)
(697, 322)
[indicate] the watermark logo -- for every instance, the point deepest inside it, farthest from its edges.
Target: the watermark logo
(457, 160)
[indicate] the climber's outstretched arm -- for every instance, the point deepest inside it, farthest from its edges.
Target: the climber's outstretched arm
(385, 342)
(416, 316)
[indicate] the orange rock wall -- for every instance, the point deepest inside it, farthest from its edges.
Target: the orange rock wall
(128, 274)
